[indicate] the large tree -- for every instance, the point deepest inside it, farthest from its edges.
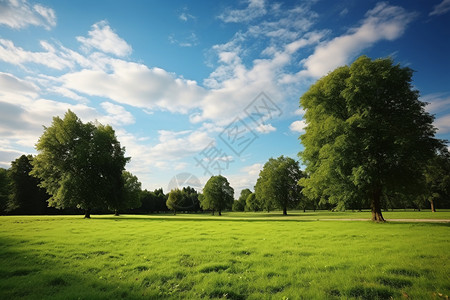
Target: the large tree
(26, 197)
(80, 164)
(277, 184)
(217, 194)
(367, 134)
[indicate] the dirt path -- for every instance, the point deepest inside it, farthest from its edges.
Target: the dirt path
(395, 220)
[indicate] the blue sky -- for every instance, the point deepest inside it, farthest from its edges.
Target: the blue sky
(202, 86)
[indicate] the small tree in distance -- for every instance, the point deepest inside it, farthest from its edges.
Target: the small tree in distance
(217, 195)
(277, 184)
(175, 200)
(239, 205)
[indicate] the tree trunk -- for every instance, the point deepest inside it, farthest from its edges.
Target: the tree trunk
(213, 212)
(433, 209)
(116, 213)
(220, 213)
(377, 216)
(284, 211)
(304, 209)
(87, 213)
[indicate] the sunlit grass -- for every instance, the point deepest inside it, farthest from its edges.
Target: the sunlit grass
(236, 256)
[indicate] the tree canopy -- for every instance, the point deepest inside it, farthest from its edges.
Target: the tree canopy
(80, 164)
(217, 194)
(277, 185)
(25, 196)
(239, 205)
(367, 134)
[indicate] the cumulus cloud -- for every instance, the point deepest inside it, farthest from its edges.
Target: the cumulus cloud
(137, 85)
(441, 8)
(117, 114)
(384, 22)
(298, 126)
(265, 128)
(103, 38)
(19, 14)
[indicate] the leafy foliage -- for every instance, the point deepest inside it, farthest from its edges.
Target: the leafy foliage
(25, 195)
(277, 184)
(80, 164)
(4, 189)
(251, 203)
(131, 192)
(367, 134)
(217, 194)
(175, 200)
(239, 205)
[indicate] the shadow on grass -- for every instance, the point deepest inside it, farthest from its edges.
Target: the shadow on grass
(34, 274)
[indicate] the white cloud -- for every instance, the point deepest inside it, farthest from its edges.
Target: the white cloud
(189, 41)
(384, 22)
(443, 124)
(436, 102)
(18, 56)
(441, 8)
(103, 38)
(19, 14)
(137, 85)
(11, 84)
(253, 169)
(255, 9)
(298, 126)
(265, 128)
(117, 114)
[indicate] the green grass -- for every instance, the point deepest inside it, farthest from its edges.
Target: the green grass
(237, 256)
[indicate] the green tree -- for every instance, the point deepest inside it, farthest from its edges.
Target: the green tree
(26, 197)
(217, 195)
(367, 134)
(175, 200)
(190, 199)
(437, 180)
(80, 164)
(239, 205)
(130, 194)
(251, 203)
(152, 201)
(4, 189)
(277, 184)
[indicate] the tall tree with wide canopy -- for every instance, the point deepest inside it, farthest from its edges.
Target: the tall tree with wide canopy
(277, 184)
(367, 134)
(80, 164)
(217, 194)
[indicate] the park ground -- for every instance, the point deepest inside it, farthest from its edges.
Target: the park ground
(236, 256)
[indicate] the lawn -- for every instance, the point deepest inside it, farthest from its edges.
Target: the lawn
(237, 256)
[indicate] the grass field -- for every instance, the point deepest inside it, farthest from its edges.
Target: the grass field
(237, 256)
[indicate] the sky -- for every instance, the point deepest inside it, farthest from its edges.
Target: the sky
(201, 88)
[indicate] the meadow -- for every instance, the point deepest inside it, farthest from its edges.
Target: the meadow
(236, 256)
